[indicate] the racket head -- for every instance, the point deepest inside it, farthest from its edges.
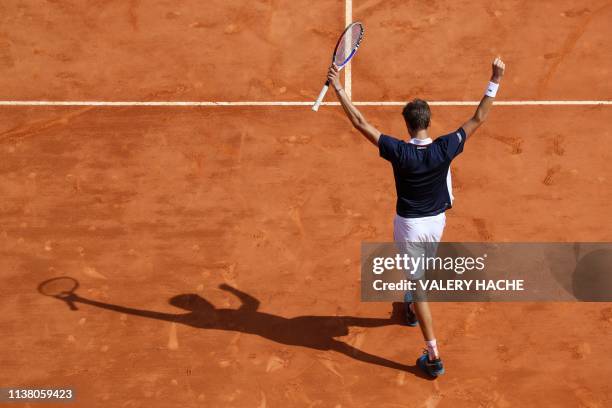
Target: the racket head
(60, 287)
(348, 43)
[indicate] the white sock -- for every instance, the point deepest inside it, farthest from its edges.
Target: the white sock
(432, 348)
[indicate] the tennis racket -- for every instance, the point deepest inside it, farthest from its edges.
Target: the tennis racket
(346, 48)
(61, 288)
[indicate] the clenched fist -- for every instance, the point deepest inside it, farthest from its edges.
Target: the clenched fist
(498, 70)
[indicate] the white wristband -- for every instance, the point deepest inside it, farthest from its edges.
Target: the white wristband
(492, 89)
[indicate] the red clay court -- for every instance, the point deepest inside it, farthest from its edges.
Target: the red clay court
(147, 205)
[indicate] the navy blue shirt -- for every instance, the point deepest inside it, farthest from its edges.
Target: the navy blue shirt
(420, 172)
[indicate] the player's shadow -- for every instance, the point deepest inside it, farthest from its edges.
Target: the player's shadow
(316, 332)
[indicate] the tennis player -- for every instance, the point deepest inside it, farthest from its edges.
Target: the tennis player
(421, 168)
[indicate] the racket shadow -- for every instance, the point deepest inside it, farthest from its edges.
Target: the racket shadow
(315, 332)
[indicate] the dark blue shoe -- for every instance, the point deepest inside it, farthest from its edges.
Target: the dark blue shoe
(410, 316)
(432, 368)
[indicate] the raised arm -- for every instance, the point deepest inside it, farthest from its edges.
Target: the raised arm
(356, 118)
(487, 100)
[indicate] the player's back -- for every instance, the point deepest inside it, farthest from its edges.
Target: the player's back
(421, 169)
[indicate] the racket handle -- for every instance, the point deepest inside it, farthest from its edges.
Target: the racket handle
(316, 105)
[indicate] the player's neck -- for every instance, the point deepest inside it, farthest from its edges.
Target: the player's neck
(420, 134)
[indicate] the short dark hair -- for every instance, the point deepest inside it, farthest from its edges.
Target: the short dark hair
(417, 114)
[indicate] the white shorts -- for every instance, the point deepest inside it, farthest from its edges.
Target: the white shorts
(424, 229)
(418, 237)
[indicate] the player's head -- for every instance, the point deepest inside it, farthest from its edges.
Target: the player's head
(417, 115)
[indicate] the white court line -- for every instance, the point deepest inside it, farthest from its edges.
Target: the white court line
(498, 103)
(159, 103)
(292, 103)
(348, 19)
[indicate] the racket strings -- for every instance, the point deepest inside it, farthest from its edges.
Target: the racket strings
(348, 44)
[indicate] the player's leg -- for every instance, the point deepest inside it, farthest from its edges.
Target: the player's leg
(405, 234)
(423, 313)
(433, 233)
(410, 317)
(430, 362)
